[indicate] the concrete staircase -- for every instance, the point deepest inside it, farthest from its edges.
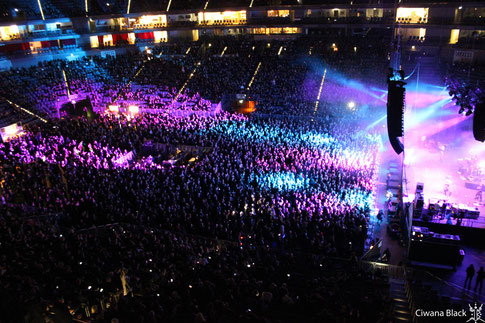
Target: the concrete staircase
(397, 292)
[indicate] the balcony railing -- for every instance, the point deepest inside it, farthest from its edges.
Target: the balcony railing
(39, 34)
(222, 22)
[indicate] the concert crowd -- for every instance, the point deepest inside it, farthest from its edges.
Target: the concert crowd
(239, 218)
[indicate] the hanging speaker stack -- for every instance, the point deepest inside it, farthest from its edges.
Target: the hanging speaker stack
(395, 110)
(479, 122)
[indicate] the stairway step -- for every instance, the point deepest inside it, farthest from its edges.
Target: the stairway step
(400, 300)
(401, 307)
(404, 312)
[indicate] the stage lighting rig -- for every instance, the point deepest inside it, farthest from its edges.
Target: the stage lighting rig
(471, 99)
(464, 96)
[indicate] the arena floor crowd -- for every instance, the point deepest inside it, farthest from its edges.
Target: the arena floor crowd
(238, 218)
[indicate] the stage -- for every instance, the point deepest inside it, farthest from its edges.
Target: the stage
(441, 153)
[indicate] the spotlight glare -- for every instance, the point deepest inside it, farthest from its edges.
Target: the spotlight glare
(114, 108)
(351, 105)
(133, 109)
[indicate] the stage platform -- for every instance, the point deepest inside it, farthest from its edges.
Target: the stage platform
(449, 159)
(435, 170)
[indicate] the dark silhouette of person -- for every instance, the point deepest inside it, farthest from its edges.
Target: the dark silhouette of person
(380, 216)
(470, 272)
(480, 276)
(447, 190)
(459, 218)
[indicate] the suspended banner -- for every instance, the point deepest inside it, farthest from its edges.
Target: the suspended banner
(463, 56)
(105, 53)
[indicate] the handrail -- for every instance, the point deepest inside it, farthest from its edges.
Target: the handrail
(371, 250)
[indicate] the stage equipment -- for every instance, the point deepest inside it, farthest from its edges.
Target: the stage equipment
(395, 109)
(76, 109)
(418, 200)
(11, 131)
(479, 122)
(473, 186)
(464, 95)
(418, 206)
(239, 103)
(426, 246)
(465, 211)
(419, 188)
